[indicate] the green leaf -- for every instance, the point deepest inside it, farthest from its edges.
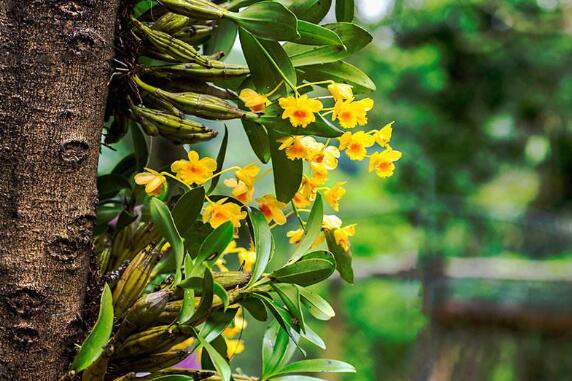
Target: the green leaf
(287, 173)
(313, 337)
(316, 305)
(221, 365)
(222, 38)
(140, 147)
(161, 216)
(268, 62)
(268, 20)
(345, 10)
(188, 307)
(343, 258)
(297, 378)
(306, 272)
(219, 160)
(174, 377)
(216, 323)
(312, 229)
(316, 366)
(280, 314)
(206, 302)
(312, 34)
(353, 37)
(341, 72)
(263, 243)
(291, 298)
(215, 243)
(258, 138)
(255, 307)
(222, 294)
(126, 167)
(187, 209)
(309, 10)
(95, 343)
(109, 185)
(277, 349)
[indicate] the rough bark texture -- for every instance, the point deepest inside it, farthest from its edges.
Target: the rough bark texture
(54, 67)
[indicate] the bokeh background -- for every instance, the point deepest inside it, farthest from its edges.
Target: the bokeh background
(463, 259)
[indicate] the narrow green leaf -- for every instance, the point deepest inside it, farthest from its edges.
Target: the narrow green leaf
(161, 216)
(258, 138)
(215, 243)
(268, 20)
(263, 242)
(219, 160)
(353, 37)
(312, 229)
(216, 323)
(255, 307)
(287, 173)
(316, 305)
(312, 34)
(188, 307)
(305, 272)
(291, 298)
(187, 209)
(276, 349)
(126, 167)
(341, 72)
(316, 366)
(206, 302)
(109, 185)
(297, 378)
(309, 10)
(313, 337)
(268, 62)
(280, 314)
(345, 10)
(222, 38)
(221, 365)
(222, 294)
(343, 258)
(95, 343)
(140, 147)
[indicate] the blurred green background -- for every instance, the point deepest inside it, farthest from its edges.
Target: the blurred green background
(481, 92)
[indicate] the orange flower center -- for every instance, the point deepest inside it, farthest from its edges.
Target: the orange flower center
(384, 166)
(300, 114)
(346, 115)
(266, 211)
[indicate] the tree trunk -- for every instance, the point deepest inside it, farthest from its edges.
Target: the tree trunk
(54, 67)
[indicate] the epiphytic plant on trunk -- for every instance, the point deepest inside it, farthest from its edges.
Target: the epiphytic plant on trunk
(165, 249)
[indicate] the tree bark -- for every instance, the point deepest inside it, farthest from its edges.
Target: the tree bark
(54, 67)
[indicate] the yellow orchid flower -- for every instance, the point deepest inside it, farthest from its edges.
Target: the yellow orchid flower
(248, 174)
(240, 190)
(355, 144)
(306, 193)
(194, 170)
(153, 181)
(341, 91)
(383, 136)
(234, 347)
(272, 209)
(300, 110)
(300, 147)
(351, 113)
(238, 325)
(342, 235)
(382, 162)
(247, 258)
(328, 156)
(334, 194)
(254, 101)
(295, 236)
(219, 212)
(220, 263)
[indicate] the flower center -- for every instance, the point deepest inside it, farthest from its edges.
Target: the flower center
(300, 114)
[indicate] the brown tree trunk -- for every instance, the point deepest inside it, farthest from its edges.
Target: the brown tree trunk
(54, 67)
